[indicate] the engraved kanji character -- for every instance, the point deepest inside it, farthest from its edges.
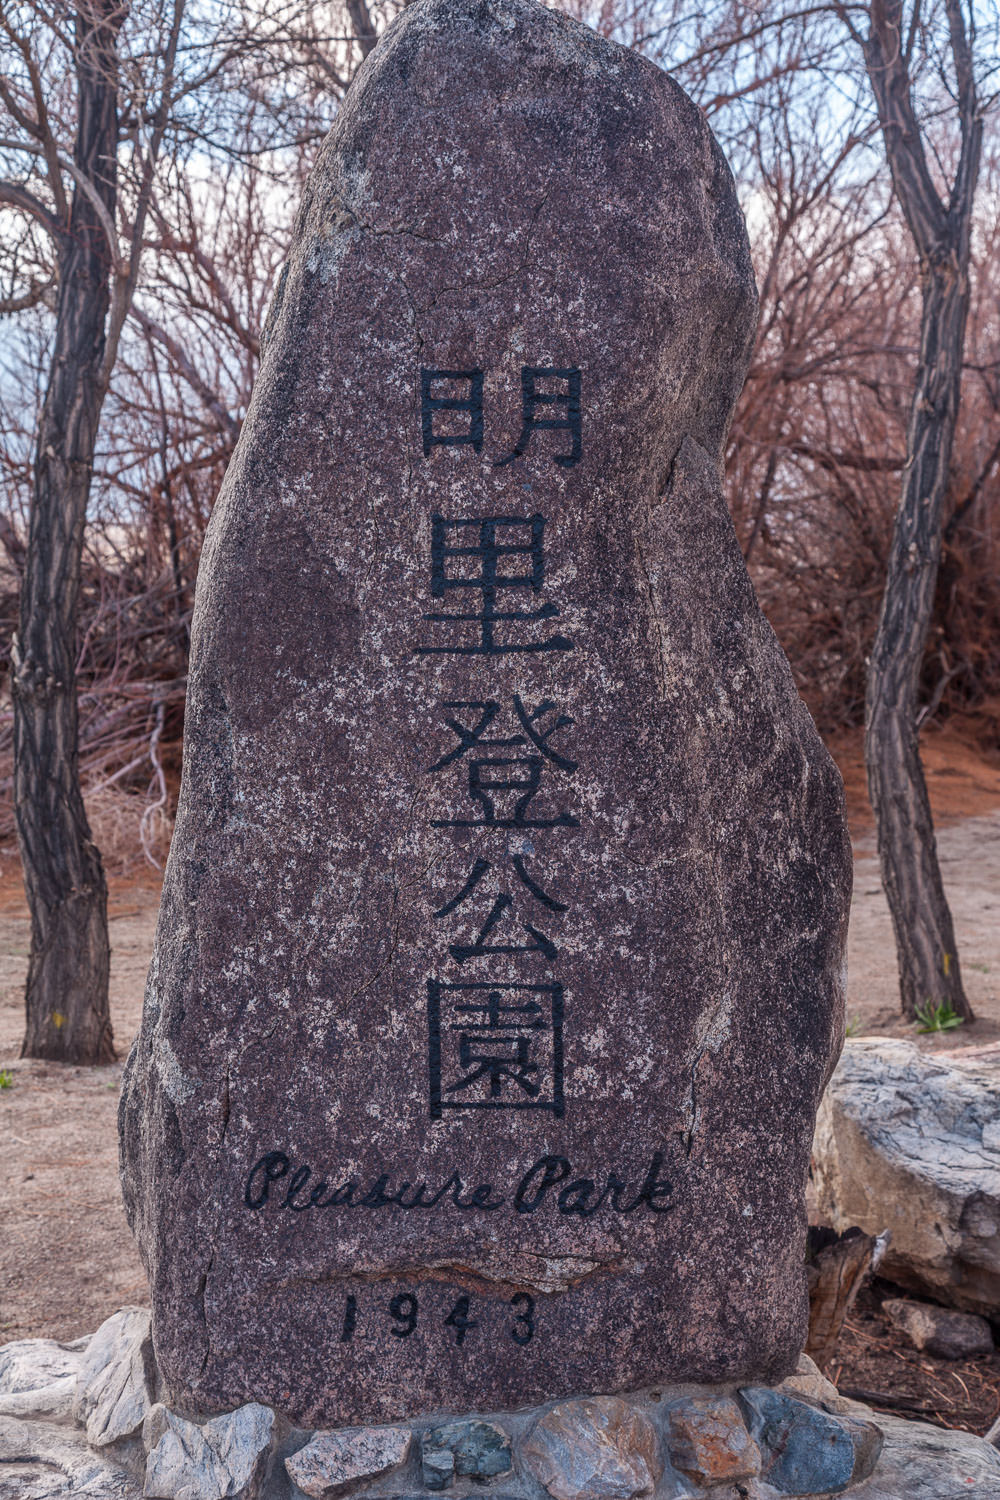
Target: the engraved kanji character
(495, 1046)
(532, 398)
(519, 774)
(496, 1060)
(430, 404)
(489, 545)
(481, 947)
(531, 720)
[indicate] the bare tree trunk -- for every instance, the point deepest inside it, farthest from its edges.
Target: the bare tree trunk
(67, 990)
(364, 27)
(929, 971)
(836, 1266)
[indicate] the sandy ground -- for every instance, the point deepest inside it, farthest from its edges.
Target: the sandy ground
(67, 1259)
(969, 853)
(66, 1256)
(965, 796)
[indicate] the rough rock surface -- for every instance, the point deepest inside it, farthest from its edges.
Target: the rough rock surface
(114, 1386)
(918, 1462)
(708, 1441)
(226, 1458)
(808, 1451)
(911, 1143)
(30, 1364)
(334, 1460)
(463, 1450)
(949, 1335)
(544, 746)
(53, 1461)
(594, 1450)
(38, 1377)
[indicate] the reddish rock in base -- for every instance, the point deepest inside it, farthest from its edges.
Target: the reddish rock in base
(498, 970)
(337, 1461)
(708, 1441)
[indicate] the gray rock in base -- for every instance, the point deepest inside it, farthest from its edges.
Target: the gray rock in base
(38, 1378)
(114, 1387)
(919, 1462)
(50, 1403)
(334, 1460)
(807, 1451)
(464, 1450)
(226, 1459)
(938, 1330)
(594, 1450)
(46, 1461)
(910, 1142)
(437, 1468)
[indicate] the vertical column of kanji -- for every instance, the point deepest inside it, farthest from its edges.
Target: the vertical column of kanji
(496, 1042)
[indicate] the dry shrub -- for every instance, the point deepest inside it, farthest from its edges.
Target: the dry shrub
(817, 451)
(820, 580)
(129, 829)
(132, 828)
(132, 680)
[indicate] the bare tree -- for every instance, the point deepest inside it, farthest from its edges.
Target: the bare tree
(941, 227)
(67, 988)
(107, 77)
(921, 71)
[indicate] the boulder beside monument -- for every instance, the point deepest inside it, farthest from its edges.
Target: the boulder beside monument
(499, 966)
(910, 1140)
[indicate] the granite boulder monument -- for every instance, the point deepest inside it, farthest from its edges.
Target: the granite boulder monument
(499, 965)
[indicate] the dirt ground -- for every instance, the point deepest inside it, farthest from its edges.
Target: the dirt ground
(964, 787)
(67, 1259)
(875, 1363)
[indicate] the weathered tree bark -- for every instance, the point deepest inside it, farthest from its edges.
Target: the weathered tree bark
(929, 970)
(67, 989)
(362, 24)
(836, 1267)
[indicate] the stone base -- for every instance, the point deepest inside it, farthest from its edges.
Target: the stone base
(83, 1420)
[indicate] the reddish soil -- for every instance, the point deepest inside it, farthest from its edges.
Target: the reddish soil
(963, 778)
(67, 1259)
